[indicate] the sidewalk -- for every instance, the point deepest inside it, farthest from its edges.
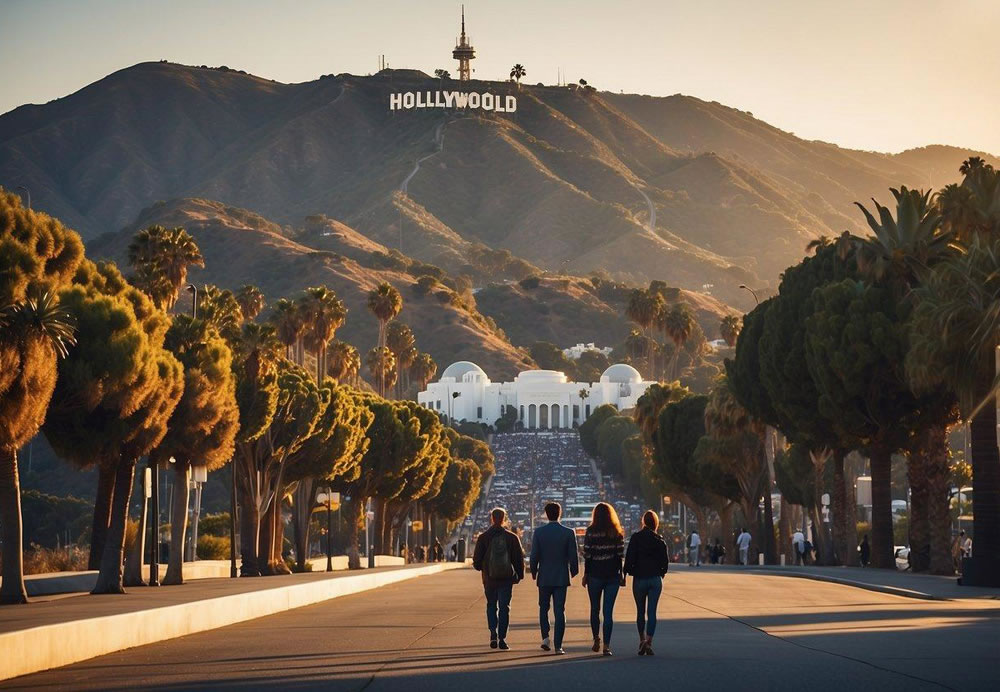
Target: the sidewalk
(896, 582)
(67, 629)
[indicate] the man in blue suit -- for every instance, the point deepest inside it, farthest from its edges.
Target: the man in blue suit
(553, 563)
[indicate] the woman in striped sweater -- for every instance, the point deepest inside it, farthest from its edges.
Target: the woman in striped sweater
(603, 550)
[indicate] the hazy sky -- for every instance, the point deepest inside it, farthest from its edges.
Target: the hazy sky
(872, 74)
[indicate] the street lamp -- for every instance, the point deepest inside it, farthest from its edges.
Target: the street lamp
(326, 498)
(194, 300)
(232, 520)
(752, 292)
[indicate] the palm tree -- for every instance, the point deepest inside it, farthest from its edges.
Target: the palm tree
(729, 329)
(677, 324)
(954, 333)
(382, 365)
(341, 360)
(36, 332)
(906, 247)
(323, 314)
(400, 340)
(643, 308)
(385, 303)
(976, 210)
(973, 165)
(517, 72)
(290, 324)
(584, 394)
(161, 258)
(651, 403)
(251, 301)
(423, 369)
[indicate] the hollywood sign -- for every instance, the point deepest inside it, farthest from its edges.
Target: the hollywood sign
(452, 99)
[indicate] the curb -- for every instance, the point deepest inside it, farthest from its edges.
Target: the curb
(51, 646)
(878, 588)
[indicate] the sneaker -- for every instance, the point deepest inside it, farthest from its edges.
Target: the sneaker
(503, 645)
(607, 652)
(545, 645)
(642, 646)
(597, 645)
(560, 651)
(493, 641)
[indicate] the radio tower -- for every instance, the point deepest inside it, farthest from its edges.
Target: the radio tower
(464, 52)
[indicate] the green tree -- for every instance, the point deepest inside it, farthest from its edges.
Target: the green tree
(251, 301)
(202, 429)
(385, 303)
(677, 324)
(423, 369)
(38, 256)
(588, 429)
(459, 490)
(610, 435)
(729, 329)
(400, 340)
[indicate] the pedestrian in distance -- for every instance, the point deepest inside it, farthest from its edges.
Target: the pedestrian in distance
(603, 551)
(865, 551)
(647, 560)
(807, 552)
(554, 563)
(718, 552)
(694, 549)
(799, 546)
(500, 558)
(438, 551)
(743, 543)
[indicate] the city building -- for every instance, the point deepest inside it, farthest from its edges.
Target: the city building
(575, 352)
(542, 399)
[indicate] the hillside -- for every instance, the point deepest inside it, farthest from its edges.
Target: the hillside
(694, 193)
(241, 248)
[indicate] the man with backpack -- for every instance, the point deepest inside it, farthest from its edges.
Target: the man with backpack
(554, 562)
(500, 558)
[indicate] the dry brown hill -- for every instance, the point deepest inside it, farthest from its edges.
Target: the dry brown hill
(677, 189)
(241, 248)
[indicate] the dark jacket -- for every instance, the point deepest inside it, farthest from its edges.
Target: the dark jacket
(513, 548)
(646, 555)
(602, 554)
(554, 560)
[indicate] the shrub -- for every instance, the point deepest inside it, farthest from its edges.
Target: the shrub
(213, 547)
(214, 524)
(529, 283)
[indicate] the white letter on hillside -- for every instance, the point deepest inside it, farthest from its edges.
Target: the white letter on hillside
(461, 100)
(511, 104)
(395, 101)
(408, 99)
(449, 99)
(474, 101)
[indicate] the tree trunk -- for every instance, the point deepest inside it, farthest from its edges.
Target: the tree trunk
(249, 532)
(304, 496)
(264, 541)
(919, 519)
(277, 562)
(109, 579)
(882, 542)
(851, 516)
(133, 561)
(770, 552)
(819, 538)
(356, 516)
(726, 528)
(178, 527)
(938, 489)
(12, 590)
(984, 569)
(785, 532)
(843, 544)
(102, 514)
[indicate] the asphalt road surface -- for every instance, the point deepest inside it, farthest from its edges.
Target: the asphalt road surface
(716, 630)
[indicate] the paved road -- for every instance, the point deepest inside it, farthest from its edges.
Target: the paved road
(735, 630)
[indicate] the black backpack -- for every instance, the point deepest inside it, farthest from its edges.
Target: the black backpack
(498, 565)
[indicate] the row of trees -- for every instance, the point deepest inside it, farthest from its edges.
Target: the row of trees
(109, 375)
(879, 344)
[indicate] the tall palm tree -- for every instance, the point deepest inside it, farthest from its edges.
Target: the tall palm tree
(583, 394)
(729, 329)
(954, 334)
(290, 324)
(342, 361)
(36, 332)
(677, 323)
(517, 72)
(323, 314)
(385, 303)
(973, 164)
(251, 301)
(423, 369)
(400, 340)
(651, 403)
(974, 207)
(161, 258)
(644, 308)
(382, 365)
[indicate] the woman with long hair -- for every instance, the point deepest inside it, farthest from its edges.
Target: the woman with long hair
(603, 549)
(647, 560)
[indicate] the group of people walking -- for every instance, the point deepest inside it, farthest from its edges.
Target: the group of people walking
(554, 562)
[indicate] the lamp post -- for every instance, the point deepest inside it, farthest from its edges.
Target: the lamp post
(752, 292)
(325, 498)
(232, 520)
(194, 300)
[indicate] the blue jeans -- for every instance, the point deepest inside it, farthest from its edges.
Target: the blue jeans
(596, 587)
(498, 609)
(557, 595)
(647, 594)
